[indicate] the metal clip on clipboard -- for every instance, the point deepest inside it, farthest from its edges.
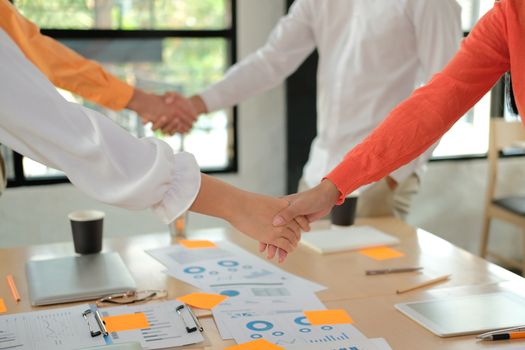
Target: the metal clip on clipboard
(100, 323)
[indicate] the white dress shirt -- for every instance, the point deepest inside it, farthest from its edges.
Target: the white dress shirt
(372, 55)
(99, 157)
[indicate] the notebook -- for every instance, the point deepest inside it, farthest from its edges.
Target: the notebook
(76, 278)
(470, 314)
(350, 238)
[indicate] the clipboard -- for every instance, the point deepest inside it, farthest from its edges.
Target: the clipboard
(83, 326)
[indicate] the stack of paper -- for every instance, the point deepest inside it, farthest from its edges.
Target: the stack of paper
(264, 301)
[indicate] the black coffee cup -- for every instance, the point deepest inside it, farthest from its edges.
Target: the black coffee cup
(87, 228)
(344, 214)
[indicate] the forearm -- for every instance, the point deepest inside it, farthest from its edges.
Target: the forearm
(417, 123)
(98, 156)
(217, 198)
(290, 42)
(63, 66)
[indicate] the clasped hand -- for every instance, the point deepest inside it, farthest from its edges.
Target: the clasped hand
(303, 208)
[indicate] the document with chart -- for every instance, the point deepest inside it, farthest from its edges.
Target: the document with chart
(289, 329)
(226, 265)
(76, 328)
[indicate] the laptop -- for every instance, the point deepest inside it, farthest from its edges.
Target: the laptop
(76, 278)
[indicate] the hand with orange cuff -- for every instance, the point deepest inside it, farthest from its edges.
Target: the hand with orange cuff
(182, 113)
(311, 205)
(170, 113)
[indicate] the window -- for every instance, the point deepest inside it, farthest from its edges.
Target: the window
(469, 136)
(156, 45)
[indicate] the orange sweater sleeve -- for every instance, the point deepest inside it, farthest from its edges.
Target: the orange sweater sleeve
(430, 111)
(63, 66)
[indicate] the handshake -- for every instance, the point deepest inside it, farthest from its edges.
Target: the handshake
(276, 223)
(169, 113)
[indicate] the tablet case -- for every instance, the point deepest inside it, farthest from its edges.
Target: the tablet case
(76, 278)
(350, 238)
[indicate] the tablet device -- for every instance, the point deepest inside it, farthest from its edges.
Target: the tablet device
(348, 238)
(470, 314)
(76, 278)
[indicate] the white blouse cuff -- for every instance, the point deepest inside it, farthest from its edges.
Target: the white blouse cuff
(212, 99)
(184, 188)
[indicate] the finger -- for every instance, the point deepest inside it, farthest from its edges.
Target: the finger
(173, 127)
(303, 223)
(177, 125)
(188, 115)
(282, 256)
(284, 216)
(316, 216)
(160, 123)
(293, 226)
(284, 244)
(271, 251)
(262, 247)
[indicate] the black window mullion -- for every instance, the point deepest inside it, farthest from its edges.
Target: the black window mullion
(136, 34)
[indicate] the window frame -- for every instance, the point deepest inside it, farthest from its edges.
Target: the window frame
(229, 34)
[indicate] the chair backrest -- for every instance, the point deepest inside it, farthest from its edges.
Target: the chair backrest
(503, 134)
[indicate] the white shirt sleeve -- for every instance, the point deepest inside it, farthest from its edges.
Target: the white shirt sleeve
(291, 41)
(437, 26)
(98, 156)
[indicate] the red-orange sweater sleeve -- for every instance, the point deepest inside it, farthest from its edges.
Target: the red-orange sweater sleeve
(63, 66)
(430, 111)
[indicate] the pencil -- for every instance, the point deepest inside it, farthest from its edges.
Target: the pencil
(392, 270)
(424, 284)
(12, 287)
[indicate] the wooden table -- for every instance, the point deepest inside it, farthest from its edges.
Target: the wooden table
(368, 299)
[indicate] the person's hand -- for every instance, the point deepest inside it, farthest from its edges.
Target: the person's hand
(182, 108)
(255, 220)
(312, 204)
(183, 111)
(159, 110)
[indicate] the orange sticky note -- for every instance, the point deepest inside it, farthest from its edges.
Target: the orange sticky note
(126, 322)
(322, 317)
(202, 300)
(381, 253)
(194, 243)
(259, 344)
(3, 308)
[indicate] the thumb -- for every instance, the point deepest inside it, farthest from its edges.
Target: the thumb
(170, 97)
(284, 216)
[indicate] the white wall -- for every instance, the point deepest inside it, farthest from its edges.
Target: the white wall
(39, 214)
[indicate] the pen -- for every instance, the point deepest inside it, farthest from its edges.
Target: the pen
(502, 330)
(12, 287)
(424, 284)
(504, 336)
(188, 328)
(392, 270)
(195, 319)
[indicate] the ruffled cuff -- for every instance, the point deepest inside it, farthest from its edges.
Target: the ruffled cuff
(184, 188)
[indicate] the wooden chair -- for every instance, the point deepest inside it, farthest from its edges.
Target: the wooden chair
(503, 134)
